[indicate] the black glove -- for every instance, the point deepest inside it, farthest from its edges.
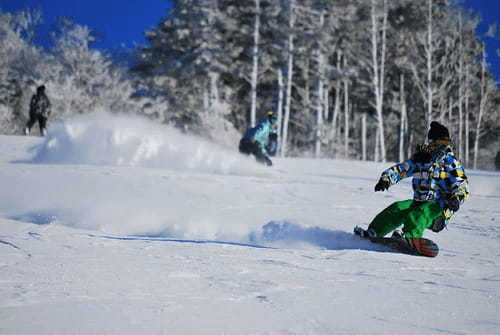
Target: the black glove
(382, 185)
(438, 224)
(453, 204)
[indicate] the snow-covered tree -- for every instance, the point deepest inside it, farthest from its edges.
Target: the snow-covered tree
(359, 78)
(17, 59)
(183, 63)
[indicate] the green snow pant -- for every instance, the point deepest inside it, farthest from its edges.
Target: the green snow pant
(413, 215)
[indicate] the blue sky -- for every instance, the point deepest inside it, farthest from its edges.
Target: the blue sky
(489, 10)
(123, 22)
(117, 22)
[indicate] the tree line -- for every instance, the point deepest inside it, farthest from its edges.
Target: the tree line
(355, 79)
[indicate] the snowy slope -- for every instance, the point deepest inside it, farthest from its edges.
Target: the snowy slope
(118, 226)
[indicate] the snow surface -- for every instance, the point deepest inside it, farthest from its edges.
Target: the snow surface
(118, 226)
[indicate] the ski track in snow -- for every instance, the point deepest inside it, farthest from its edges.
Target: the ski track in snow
(117, 226)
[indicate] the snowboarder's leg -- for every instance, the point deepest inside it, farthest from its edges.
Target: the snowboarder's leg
(246, 147)
(42, 122)
(261, 158)
(29, 124)
(390, 218)
(420, 218)
(268, 161)
(259, 155)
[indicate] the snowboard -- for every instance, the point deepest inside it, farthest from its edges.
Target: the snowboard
(411, 246)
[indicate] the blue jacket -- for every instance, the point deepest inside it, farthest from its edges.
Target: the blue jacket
(260, 134)
(437, 176)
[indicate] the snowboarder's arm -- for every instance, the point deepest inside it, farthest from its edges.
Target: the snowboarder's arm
(455, 176)
(264, 150)
(394, 174)
(48, 106)
(251, 134)
(32, 104)
(399, 171)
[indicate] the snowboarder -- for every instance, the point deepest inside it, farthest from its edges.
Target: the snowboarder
(39, 111)
(256, 139)
(439, 183)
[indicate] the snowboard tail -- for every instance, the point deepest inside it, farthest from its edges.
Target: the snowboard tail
(412, 246)
(425, 246)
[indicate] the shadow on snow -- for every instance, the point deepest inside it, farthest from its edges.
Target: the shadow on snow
(290, 233)
(276, 235)
(43, 217)
(164, 239)
(273, 235)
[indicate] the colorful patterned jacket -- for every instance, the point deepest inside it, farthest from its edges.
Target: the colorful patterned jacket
(437, 176)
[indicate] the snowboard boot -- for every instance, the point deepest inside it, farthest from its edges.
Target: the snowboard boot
(365, 233)
(397, 234)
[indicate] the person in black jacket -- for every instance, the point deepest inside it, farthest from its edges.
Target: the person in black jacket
(39, 111)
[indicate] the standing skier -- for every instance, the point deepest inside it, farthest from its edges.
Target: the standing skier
(256, 139)
(39, 111)
(439, 184)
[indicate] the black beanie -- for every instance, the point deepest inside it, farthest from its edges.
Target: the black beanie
(438, 132)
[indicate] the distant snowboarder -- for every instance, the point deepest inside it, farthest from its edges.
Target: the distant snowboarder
(439, 183)
(39, 111)
(256, 140)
